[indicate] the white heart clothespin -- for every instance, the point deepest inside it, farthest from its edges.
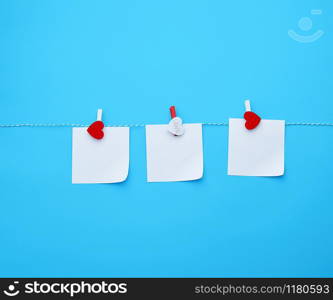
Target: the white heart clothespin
(252, 120)
(96, 128)
(176, 124)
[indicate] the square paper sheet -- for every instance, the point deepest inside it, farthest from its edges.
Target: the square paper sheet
(174, 158)
(257, 152)
(100, 161)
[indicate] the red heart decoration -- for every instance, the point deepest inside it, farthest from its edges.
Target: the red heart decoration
(252, 120)
(96, 130)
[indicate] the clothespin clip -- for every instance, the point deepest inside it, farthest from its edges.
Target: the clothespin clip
(251, 118)
(176, 124)
(96, 128)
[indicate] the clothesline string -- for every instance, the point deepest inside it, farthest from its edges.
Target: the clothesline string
(143, 125)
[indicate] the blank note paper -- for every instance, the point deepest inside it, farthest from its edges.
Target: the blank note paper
(257, 152)
(100, 161)
(174, 158)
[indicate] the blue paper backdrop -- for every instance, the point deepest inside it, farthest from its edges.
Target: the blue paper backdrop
(61, 60)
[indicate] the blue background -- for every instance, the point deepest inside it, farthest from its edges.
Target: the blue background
(61, 60)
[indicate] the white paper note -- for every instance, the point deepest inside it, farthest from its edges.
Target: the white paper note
(174, 158)
(100, 161)
(257, 152)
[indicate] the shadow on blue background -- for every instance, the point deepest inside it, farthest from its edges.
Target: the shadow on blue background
(61, 60)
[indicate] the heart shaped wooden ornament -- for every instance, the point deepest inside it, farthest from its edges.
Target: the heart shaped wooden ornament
(252, 120)
(96, 130)
(176, 126)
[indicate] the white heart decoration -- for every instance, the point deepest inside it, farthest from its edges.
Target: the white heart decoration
(176, 126)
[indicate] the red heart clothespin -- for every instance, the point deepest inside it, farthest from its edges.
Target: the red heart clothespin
(96, 128)
(251, 118)
(176, 124)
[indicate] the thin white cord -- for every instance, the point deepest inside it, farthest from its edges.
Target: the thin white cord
(142, 125)
(308, 124)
